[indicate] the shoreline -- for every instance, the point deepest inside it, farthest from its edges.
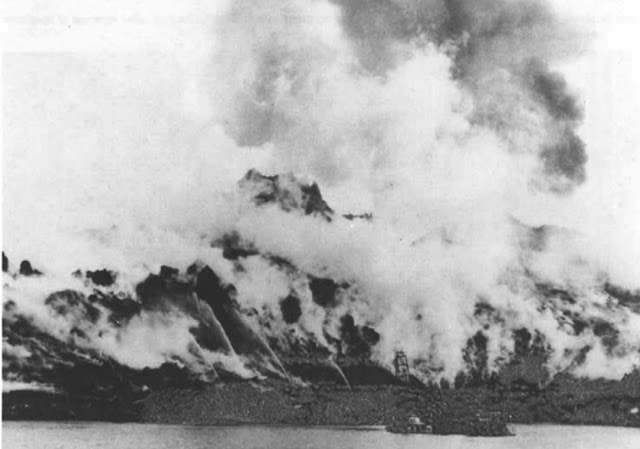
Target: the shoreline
(363, 428)
(303, 426)
(281, 404)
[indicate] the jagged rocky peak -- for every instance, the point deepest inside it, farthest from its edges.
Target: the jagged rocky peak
(286, 190)
(27, 270)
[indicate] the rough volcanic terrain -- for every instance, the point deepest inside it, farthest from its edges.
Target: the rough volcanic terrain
(308, 359)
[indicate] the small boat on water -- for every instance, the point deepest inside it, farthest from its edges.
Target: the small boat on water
(412, 425)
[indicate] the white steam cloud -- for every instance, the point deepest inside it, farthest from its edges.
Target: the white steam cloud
(411, 113)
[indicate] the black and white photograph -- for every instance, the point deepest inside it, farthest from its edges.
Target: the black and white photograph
(320, 224)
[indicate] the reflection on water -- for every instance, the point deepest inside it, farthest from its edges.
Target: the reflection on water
(73, 435)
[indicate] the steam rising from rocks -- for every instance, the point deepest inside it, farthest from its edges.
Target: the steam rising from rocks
(437, 118)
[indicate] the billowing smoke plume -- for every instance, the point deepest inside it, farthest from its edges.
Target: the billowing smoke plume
(427, 124)
(311, 85)
(500, 53)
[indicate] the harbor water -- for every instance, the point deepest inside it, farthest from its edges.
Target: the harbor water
(79, 435)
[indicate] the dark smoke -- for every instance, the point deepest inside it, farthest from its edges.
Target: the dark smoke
(500, 49)
(566, 158)
(553, 93)
(565, 155)
(376, 27)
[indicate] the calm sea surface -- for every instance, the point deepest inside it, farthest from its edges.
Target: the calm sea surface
(73, 435)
